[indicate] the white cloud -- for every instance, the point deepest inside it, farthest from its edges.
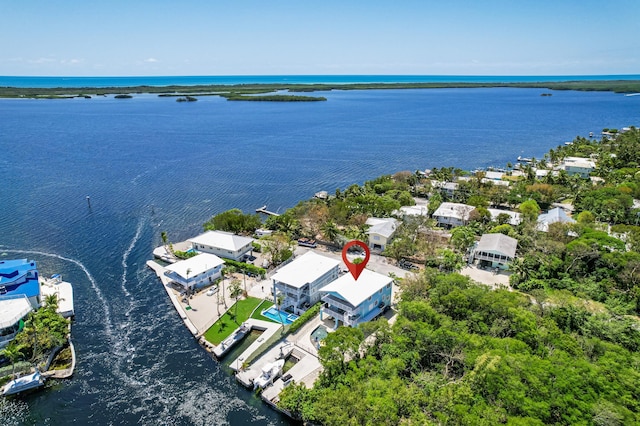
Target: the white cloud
(150, 60)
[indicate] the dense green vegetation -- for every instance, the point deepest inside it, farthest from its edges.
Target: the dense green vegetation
(460, 353)
(272, 98)
(231, 91)
(233, 221)
(43, 331)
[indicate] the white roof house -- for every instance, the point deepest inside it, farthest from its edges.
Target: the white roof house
(301, 280)
(453, 214)
(223, 244)
(578, 166)
(417, 210)
(357, 291)
(497, 249)
(381, 231)
(553, 216)
(196, 271)
(356, 301)
(514, 217)
(305, 269)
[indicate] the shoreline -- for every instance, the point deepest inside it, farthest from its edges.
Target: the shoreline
(238, 91)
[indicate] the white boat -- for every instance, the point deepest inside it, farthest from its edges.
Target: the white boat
(24, 383)
(270, 372)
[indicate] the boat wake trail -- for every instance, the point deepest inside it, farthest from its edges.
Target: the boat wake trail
(125, 256)
(94, 284)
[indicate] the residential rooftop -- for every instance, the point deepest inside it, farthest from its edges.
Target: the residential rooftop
(357, 291)
(305, 269)
(222, 240)
(195, 265)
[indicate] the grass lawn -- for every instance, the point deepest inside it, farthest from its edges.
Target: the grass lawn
(223, 328)
(264, 305)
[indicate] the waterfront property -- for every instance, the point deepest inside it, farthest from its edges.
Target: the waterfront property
(13, 310)
(195, 272)
(381, 232)
(20, 276)
(353, 302)
(450, 215)
(578, 166)
(301, 280)
(553, 216)
(223, 244)
(495, 250)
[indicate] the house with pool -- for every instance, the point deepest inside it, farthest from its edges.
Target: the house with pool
(301, 280)
(195, 272)
(352, 302)
(222, 244)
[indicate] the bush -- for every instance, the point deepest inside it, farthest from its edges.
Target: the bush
(247, 267)
(304, 318)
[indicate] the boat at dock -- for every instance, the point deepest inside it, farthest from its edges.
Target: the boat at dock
(270, 372)
(231, 341)
(23, 384)
(524, 159)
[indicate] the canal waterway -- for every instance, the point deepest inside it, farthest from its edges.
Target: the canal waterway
(152, 164)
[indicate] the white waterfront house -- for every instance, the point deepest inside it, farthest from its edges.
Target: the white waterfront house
(450, 215)
(195, 272)
(578, 166)
(301, 280)
(223, 244)
(495, 250)
(381, 231)
(13, 310)
(353, 302)
(553, 216)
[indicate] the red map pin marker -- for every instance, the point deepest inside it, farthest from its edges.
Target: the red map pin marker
(355, 268)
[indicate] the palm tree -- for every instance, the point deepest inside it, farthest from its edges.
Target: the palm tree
(235, 291)
(227, 270)
(13, 352)
(279, 301)
(51, 302)
(330, 231)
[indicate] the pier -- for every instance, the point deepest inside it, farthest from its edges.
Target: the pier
(264, 210)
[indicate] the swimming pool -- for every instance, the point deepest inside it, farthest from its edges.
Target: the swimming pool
(272, 314)
(319, 334)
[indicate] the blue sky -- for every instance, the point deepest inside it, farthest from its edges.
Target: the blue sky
(252, 37)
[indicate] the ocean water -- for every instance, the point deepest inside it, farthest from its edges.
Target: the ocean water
(20, 81)
(152, 164)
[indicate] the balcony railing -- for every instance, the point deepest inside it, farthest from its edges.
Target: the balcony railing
(331, 300)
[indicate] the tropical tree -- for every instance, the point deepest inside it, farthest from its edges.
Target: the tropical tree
(235, 290)
(279, 300)
(51, 302)
(278, 247)
(330, 231)
(14, 353)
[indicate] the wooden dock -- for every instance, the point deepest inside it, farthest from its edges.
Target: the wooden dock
(264, 210)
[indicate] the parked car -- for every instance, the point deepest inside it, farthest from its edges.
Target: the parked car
(404, 264)
(212, 290)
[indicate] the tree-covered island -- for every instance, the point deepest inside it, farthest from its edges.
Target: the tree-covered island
(559, 345)
(265, 92)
